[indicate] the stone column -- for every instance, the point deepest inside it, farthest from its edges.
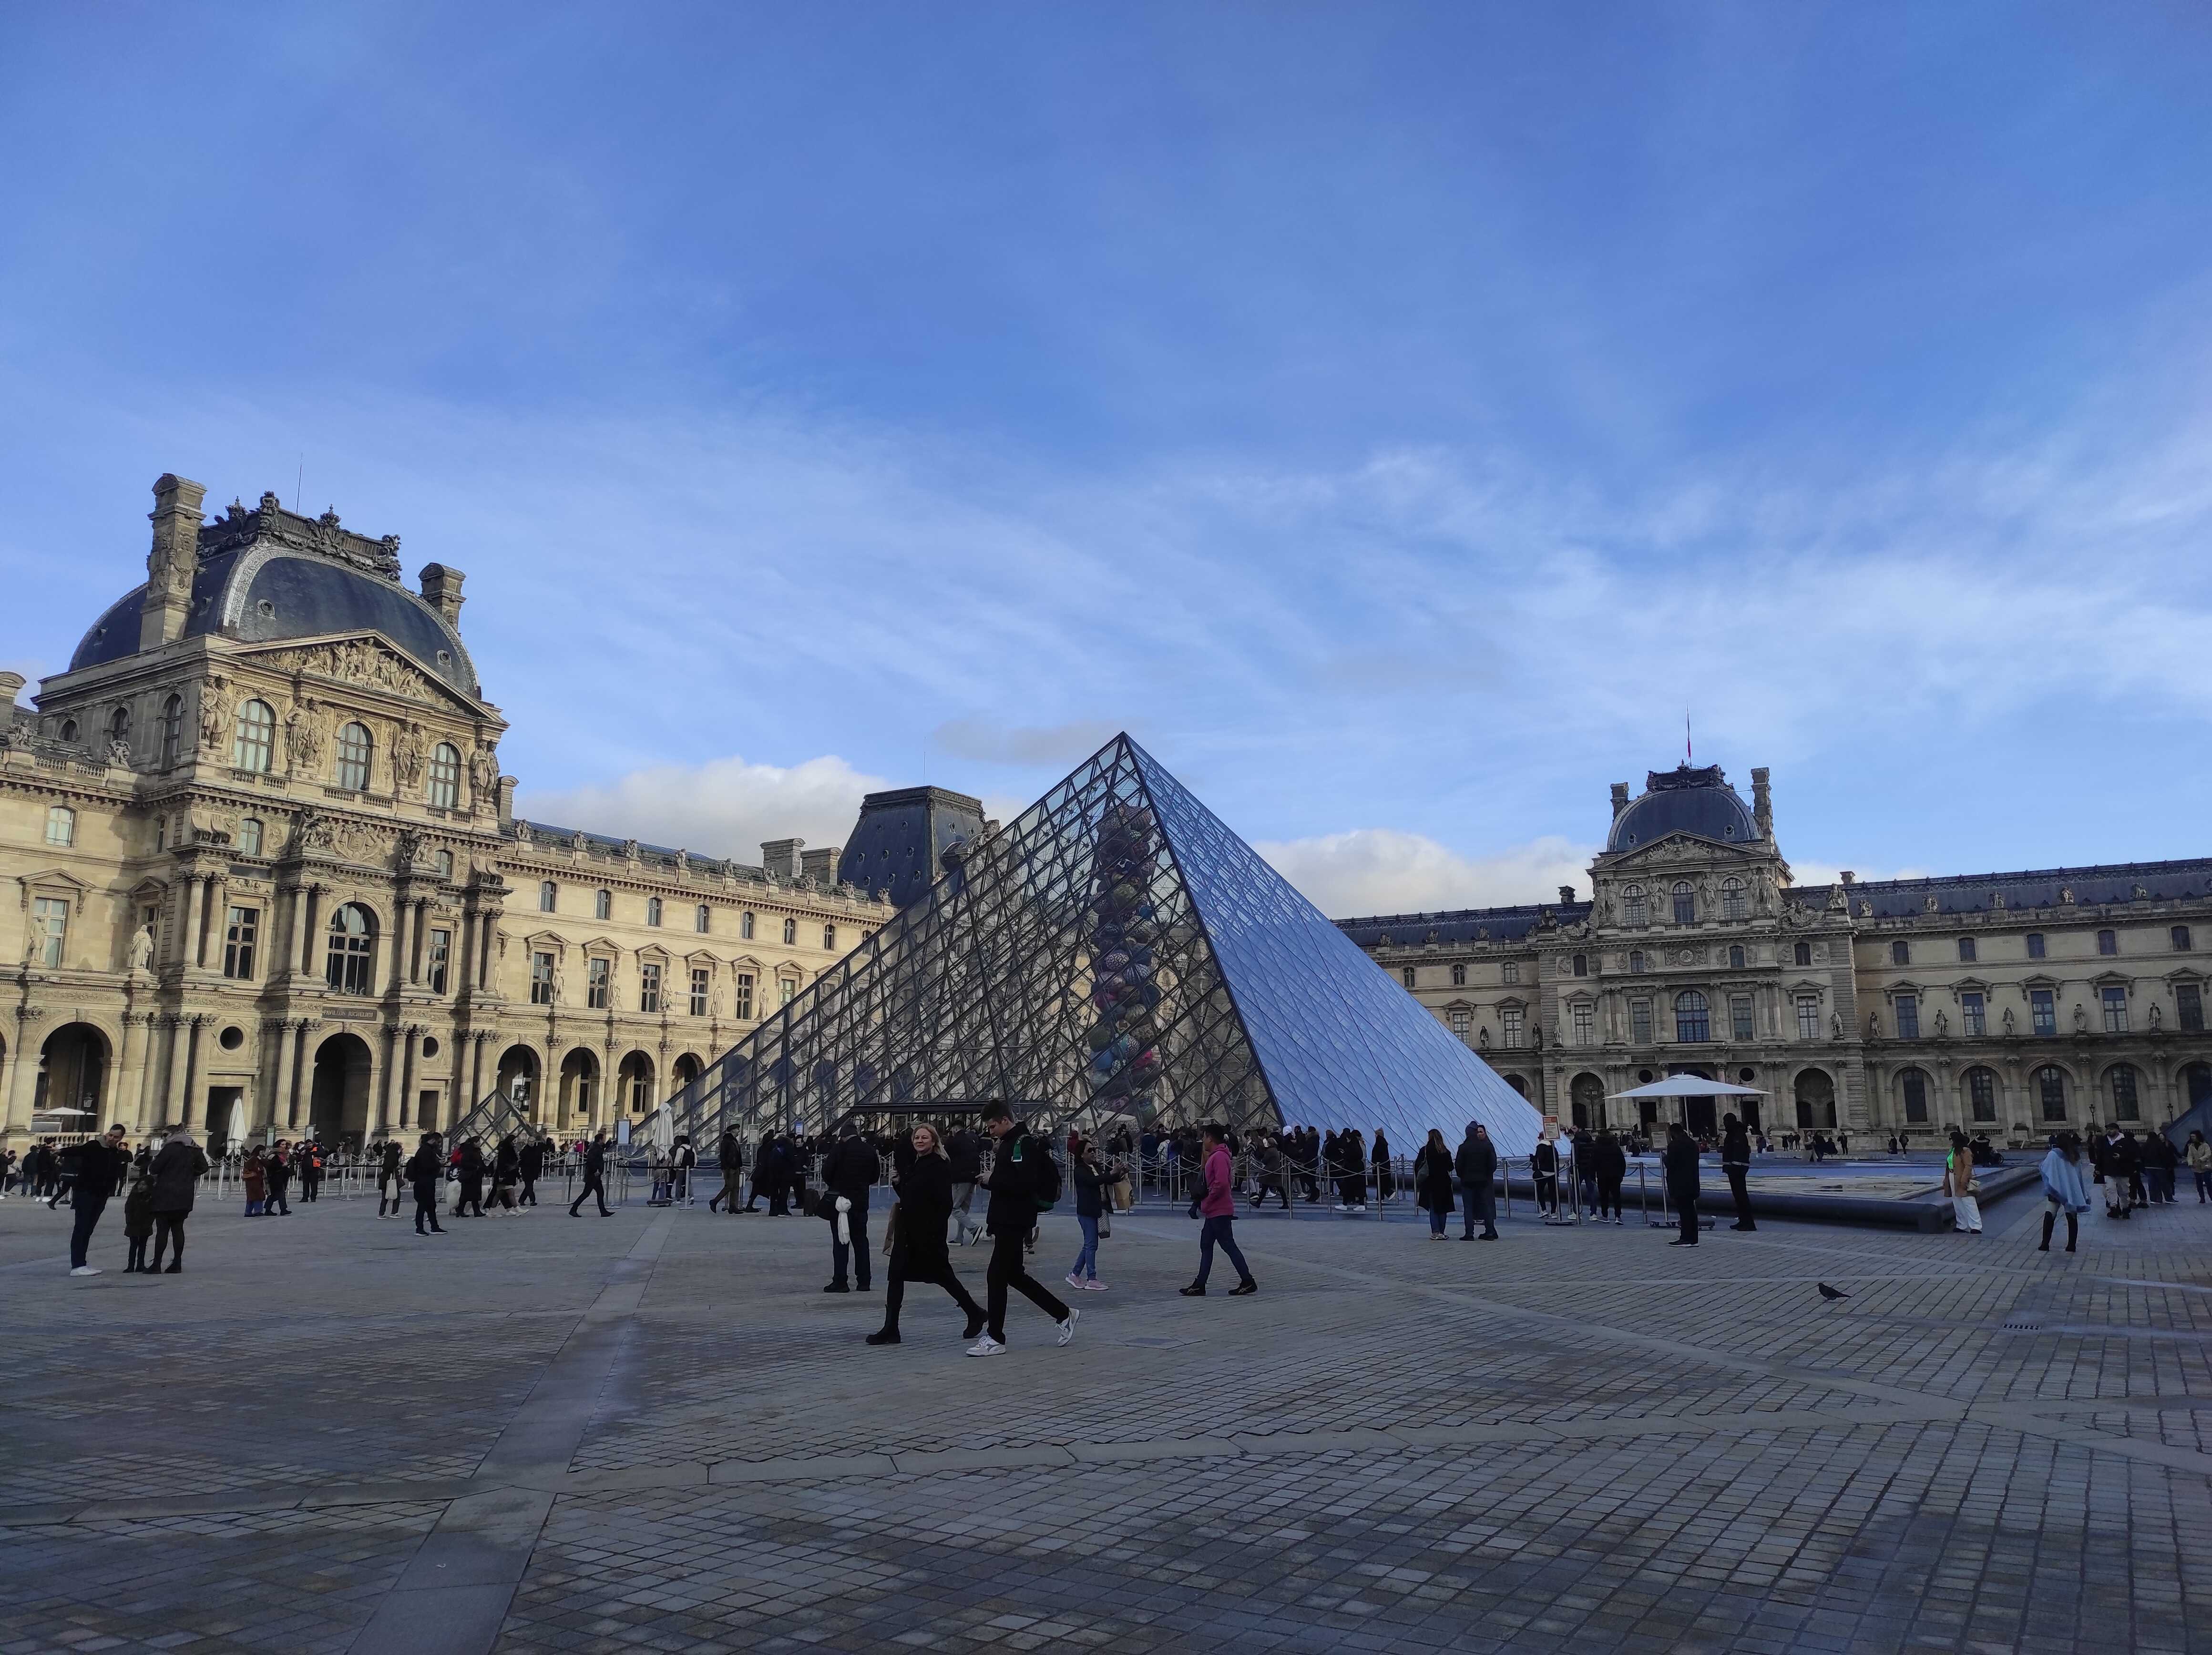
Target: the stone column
(280, 1093)
(311, 898)
(131, 1054)
(215, 922)
(380, 1116)
(464, 1043)
(486, 934)
(23, 1074)
(187, 1073)
(411, 1036)
(196, 892)
(395, 977)
(301, 1033)
(179, 951)
(461, 969)
(468, 1101)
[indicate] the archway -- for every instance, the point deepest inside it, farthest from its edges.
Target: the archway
(518, 1078)
(682, 1072)
(2196, 1082)
(338, 1108)
(1816, 1100)
(579, 1086)
(72, 1074)
(634, 1084)
(1586, 1097)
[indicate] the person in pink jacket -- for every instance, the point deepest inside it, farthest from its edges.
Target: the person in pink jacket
(1216, 1205)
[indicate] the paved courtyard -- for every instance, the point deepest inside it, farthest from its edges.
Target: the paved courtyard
(653, 1432)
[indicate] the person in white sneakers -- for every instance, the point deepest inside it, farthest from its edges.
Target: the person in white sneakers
(1090, 1208)
(1024, 1183)
(100, 1163)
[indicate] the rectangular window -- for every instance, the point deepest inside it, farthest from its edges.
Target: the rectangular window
(2108, 942)
(1584, 1016)
(1982, 1094)
(1512, 971)
(1739, 1025)
(599, 983)
(1640, 1021)
(2189, 1006)
(2179, 936)
(1908, 1016)
(1900, 954)
(244, 926)
(1973, 1012)
(742, 1009)
(2125, 1104)
(787, 989)
(746, 926)
(541, 979)
(2035, 945)
(699, 980)
(1510, 1018)
(648, 986)
(1966, 950)
(1916, 1097)
(1460, 1021)
(49, 929)
(439, 956)
(1808, 1016)
(2043, 1010)
(2116, 1009)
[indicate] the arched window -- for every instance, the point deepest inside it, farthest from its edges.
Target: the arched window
(354, 749)
(173, 730)
(603, 905)
(1407, 975)
(69, 730)
(1633, 909)
(1692, 1016)
(829, 938)
(1913, 1083)
(118, 725)
(2120, 1079)
(1735, 956)
(2050, 1091)
(61, 825)
(653, 911)
(1459, 976)
(1804, 954)
(254, 738)
(700, 917)
(249, 837)
(1686, 903)
(1900, 952)
(1732, 903)
(445, 865)
(1582, 965)
(348, 965)
(745, 926)
(547, 892)
(445, 789)
(1982, 1094)
(1636, 959)
(791, 930)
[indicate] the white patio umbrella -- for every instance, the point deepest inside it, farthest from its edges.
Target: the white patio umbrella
(1689, 1086)
(664, 1129)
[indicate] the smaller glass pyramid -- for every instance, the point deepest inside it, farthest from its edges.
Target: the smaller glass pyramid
(1113, 951)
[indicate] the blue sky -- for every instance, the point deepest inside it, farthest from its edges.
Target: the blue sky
(1399, 417)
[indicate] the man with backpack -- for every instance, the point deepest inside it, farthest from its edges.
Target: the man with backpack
(1023, 1182)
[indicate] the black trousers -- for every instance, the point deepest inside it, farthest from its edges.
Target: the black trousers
(593, 1187)
(276, 1203)
(529, 1195)
(168, 1230)
(1689, 1210)
(895, 1290)
(426, 1206)
(387, 1190)
(87, 1220)
(1547, 1191)
(471, 1196)
(856, 1225)
(1735, 1177)
(1008, 1270)
(1608, 1197)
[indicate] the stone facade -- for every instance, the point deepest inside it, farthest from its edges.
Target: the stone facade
(267, 871)
(2012, 1004)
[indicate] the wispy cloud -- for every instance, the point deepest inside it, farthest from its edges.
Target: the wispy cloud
(1371, 871)
(725, 807)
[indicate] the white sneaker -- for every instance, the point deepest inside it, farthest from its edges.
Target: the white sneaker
(1361, 1208)
(1094, 1287)
(94, 1270)
(986, 1346)
(1341, 1208)
(1074, 1280)
(1067, 1327)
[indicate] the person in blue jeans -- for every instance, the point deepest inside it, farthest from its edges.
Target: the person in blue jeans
(1216, 1205)
(1090, 1208)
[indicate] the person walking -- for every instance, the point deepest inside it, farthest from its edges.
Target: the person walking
(2062, 1189)
(426, 1170)
(2115, 1171)
(1544, 1173)
(1735, 1161)
(506, 1174)
(472, 1179)
(965, 1154)
(1090, 1208)
(2198, 1154)
(96, 1161)
(312, 1161)
(278, 1169)
(138, 1221)
(1960, 1185)
(2160, 1158)
(1217, 1206)
(252, 1173)
(1476, 1163)
(1382, 1175)
(1432, 1182)
(849, 1170)
(1270, 1174)
(389, 1180)
(918, 1249)
(1681, 1161)
(595, 1174)
(779, 1160)
(1612, 1170)
(1586, 1165)
(731, 1158)
(529, 1162)
(177, 1173)
(1022, 1182)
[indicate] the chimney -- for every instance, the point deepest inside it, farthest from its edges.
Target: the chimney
(1620, 798)
(1849, 876)
(506, 786)
(779, 857)
(441, 590)
(820, 866)
(10, 683)
(1762, 803)
(1566, 893)
(170, 564)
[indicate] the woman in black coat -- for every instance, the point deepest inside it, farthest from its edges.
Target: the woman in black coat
(177, 1172)
(918, 1250)
(1432, 1182)
(426, 1170)
(472, 1174)
(1680, 1160)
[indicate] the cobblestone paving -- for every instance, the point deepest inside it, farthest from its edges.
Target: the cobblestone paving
(654, 1433)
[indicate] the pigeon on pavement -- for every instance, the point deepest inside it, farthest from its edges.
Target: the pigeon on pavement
(1827, 1292)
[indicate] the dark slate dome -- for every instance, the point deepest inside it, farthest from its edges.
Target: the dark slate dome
(1684, 801)
(269, 575)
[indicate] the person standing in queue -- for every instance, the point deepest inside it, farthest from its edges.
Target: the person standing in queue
(1432, 1182)
(1022, 1182)
(732, 1160)
(1612, 1169)
(177, 1173)
(595, 1175)
(1216, 1205)
(1477, 1166)
(1735, 1161)
(1681, 1161)
(97, 1160)
(425, 1171)
(388, 1179)
(848, 1172)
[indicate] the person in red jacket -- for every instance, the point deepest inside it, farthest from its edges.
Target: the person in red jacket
(1216, 1205)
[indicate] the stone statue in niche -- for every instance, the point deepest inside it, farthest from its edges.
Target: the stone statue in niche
(2157, 1016)
(1874, 1026)
(141, 949)
(1942, 1025)
(1835, 1025)
(211, 721)
(407, 755)
(2081, 1019)
(2008, 1019)
(119, 753)
(303, 740)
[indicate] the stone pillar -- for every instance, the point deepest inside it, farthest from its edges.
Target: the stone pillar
(400, 913)
(280, 1092)
(187, 1073)
(487, 935)
(462, 1105)
(301, 1033)
(119, 1088)
(464, 1043)
(22, 1078)
(310, 897)
(380, 1116)
(194, 951)
(412, 1037)
(214, 924)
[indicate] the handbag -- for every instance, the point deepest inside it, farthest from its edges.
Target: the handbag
(891, 1230)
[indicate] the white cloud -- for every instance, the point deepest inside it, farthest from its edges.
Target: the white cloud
(1822, 873)
(1373, 871)
(725, 807)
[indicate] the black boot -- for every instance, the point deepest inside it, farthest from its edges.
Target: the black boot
(2048, 1221)
(884, 1335)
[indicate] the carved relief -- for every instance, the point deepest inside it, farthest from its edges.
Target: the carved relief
(348, 841)
(358, 661)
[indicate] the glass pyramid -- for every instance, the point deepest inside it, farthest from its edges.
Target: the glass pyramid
(1113, 951)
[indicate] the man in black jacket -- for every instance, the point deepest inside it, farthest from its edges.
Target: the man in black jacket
(1735, 1161)
(532, 1165)
(1018, 1174)
(1476, 1163)
(731, 1155)
(848, 1172)
(1680, 1160)
(96, 1162)
(595, 1173)
(426, 1171)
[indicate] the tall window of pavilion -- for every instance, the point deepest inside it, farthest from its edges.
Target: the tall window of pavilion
(254, 738)
(444, 791)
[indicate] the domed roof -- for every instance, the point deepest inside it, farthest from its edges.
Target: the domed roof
(1683, 801)
(266, 576)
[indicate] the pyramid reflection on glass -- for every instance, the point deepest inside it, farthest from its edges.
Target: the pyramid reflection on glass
(1114, 950)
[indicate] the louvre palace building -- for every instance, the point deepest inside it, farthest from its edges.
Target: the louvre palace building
(2013, 1004)
(267, 874)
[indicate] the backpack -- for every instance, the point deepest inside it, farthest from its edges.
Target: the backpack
(1044, 1180)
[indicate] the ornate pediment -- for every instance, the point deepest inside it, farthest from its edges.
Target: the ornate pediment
(342, 838)
(365, 662)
